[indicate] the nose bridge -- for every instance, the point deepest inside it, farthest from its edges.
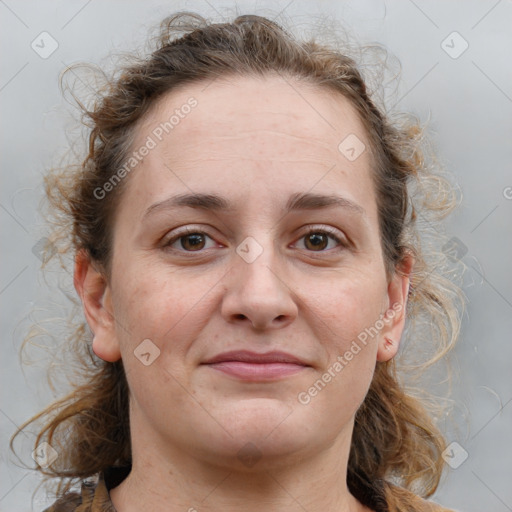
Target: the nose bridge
(256, 266)
(256, 291)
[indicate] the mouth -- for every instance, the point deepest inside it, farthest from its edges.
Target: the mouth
(251, 366)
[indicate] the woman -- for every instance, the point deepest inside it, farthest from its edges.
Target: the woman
(246, 256)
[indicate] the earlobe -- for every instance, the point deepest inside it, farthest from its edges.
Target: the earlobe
(387, 349)
(94, 291)
(394, 317)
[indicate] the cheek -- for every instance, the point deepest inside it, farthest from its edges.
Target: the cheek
(347, 317)
(151, 303)
(167, 310)
(350, 309)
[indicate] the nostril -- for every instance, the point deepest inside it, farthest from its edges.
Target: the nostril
(239, 316)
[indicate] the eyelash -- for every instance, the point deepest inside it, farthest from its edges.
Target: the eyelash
(326, 230)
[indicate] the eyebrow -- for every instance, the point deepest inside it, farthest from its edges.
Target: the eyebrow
(214, 202)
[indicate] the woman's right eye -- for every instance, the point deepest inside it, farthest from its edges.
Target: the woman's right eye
(191, 241)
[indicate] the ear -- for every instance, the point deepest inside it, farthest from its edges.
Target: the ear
(95, 294)
(394, 317)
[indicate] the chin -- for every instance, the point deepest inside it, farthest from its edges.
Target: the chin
(262, 434)
(252, 455)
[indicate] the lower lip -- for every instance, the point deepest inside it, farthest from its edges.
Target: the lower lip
(257, 371)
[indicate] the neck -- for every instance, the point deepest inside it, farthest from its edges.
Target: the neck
(174, 480)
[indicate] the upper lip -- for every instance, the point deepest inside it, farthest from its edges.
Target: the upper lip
(247, 356)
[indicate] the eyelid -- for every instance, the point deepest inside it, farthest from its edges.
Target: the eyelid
(338, 235)
(332, 232)
(178, 233)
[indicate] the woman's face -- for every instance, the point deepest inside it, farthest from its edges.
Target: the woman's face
(247, 227)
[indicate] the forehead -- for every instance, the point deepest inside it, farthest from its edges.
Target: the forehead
(264, 134)
(230, 104)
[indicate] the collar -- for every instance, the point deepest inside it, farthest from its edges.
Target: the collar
(95, 495)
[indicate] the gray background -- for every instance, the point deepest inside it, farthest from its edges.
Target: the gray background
(468, 100)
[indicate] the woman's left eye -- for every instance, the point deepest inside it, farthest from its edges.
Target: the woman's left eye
(320, 240)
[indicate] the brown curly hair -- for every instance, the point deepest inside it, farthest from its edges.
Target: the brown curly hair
(396, 448)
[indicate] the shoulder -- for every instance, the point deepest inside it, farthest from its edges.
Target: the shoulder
(94, 493)
(93, 497)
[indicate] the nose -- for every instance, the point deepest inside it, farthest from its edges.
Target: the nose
(258, 294)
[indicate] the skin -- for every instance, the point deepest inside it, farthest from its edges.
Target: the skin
(255, 142)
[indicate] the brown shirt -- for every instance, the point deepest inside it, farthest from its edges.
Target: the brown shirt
(94, 495)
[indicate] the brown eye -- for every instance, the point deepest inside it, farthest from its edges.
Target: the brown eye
(316, 241)
(193, 242)
(321, 240)
(189, 241)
